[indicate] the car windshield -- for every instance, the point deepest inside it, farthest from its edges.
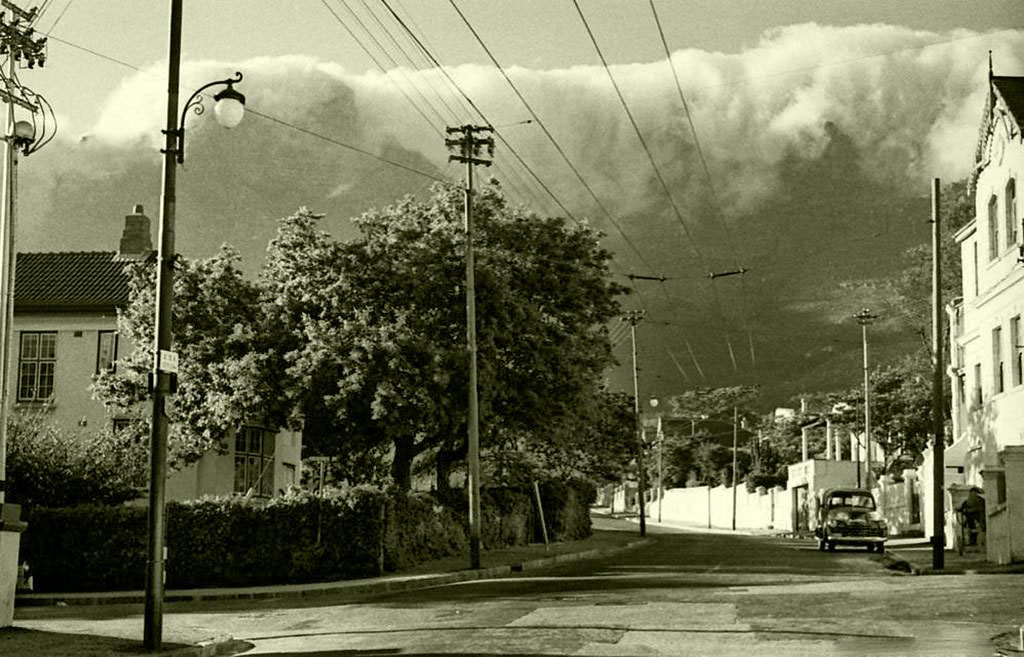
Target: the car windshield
(860, 500)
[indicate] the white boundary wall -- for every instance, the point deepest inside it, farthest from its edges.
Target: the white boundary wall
(762, 509)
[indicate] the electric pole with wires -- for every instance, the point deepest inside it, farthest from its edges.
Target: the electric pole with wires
(470, 141)
(29, 127)
(634, 317)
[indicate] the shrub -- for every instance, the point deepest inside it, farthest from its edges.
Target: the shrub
(49, 466)
(300, 537)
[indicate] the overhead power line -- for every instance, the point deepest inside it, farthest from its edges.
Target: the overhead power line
(547, 133)
(636, 129)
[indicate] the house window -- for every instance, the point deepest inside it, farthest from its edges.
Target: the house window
(977, 398)
(1017, 351)
(37, 360)
(106, 351)
(975, 273)
(993, 227)
(1011, 213)
(997, 360)
(254, 461)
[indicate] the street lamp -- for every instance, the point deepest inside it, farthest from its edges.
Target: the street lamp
(661, 439)
(865, 318)
(228, 111)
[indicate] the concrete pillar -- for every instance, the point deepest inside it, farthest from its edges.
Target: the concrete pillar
(1012, 457)
(839, 446)
(803, 443)
(854, 449)
(828, 439)
(11, 528)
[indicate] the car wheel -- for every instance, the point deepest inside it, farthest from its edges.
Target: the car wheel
(880, 548)
(869, 547)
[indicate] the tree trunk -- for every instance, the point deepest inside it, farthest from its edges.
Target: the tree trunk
(401, 464)
(446, 458)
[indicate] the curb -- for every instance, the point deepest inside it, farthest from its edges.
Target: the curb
(212, 648)
(348, 587)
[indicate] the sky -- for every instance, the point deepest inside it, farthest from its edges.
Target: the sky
(813, 131)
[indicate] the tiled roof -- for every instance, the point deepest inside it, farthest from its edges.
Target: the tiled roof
(1011, 90)
(70, 280)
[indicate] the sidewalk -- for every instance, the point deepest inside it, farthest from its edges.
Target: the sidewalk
(914, 555)
(111, 623)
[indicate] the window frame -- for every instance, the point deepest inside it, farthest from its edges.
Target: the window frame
(254, 454)
(1010, 213)
(1016, 352)
(38, 360)
(998, 364)
(977, 392)
(111, 365)
(993, 228)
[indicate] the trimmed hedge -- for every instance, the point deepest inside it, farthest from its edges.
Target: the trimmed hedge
(232, 541)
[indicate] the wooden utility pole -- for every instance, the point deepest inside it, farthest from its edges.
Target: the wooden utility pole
(735, 432)
(865, 318)
(634, 317)
(22, 48)
(469, 146)
(938, 415)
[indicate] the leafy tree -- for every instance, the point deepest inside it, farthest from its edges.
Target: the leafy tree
(702, 457)
(901, 408)
(382, 326)
(49, 466)
(704, 403)
(364, 340)
(226, 377)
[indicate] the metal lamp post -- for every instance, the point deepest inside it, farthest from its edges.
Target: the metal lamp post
(660, 436)
(228, 111)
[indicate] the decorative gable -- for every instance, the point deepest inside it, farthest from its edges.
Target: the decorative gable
(1001, 122)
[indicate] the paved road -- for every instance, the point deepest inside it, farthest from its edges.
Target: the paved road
(684, 594)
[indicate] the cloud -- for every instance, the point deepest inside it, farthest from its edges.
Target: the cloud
(816, 139)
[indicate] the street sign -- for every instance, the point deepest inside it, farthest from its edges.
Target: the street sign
(167, 362)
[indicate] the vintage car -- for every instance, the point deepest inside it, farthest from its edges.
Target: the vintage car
(848, 516)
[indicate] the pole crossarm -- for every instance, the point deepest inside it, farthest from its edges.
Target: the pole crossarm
(865, 318)
(470, 146)
(17, 37)
(634, 317)
(735, 272)
(640, 277)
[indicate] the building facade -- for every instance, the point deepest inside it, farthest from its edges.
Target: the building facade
(987, 335)
(65, 332)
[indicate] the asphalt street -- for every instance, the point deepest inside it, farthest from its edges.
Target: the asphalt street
(683, 593)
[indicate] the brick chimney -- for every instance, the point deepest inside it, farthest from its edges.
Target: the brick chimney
(135, 240)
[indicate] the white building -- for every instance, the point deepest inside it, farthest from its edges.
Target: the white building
(65, 332)
(987, 338)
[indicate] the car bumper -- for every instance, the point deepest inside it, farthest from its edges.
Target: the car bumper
(855, 540)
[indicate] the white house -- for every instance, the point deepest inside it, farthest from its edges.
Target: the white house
(987, 342)
(65, 332)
